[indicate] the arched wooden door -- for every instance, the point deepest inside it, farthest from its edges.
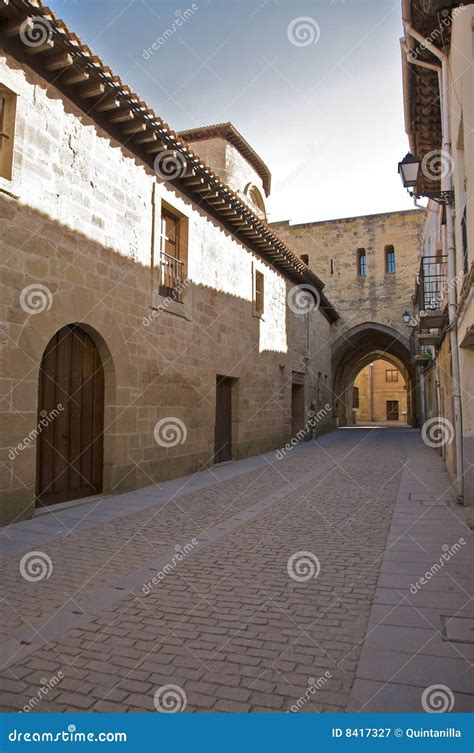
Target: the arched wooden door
(70, 418)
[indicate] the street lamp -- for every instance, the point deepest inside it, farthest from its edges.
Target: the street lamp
(408, 170)
(406, 318)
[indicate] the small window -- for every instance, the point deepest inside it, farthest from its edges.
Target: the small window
(389, 260)
(259, 293)
(7, 131)
(361, 262)
(391, 375)
(332, 266)
(355, 397)
(172, 253)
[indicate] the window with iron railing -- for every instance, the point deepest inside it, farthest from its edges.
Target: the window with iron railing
(171, 266)
(432, 287)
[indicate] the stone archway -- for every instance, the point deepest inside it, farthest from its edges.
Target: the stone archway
(358, 347)
(25, 357)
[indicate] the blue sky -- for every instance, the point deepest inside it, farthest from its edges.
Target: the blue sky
(325, 113)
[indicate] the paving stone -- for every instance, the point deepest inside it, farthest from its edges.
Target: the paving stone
(227, 623)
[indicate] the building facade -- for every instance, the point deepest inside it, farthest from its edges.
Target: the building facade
(152, 320)
(438, 75)
(380, 395)
(369, 265)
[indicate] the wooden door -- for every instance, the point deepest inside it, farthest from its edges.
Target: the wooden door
(297, 408)
(392, 410)
(71, 417)
(223, 429)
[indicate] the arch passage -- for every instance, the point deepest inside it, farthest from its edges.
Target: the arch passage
(70, 418)
(357, 348)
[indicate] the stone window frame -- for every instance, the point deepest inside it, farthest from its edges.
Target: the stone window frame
(8, 100)
(391, 375)
(361, 263)
(390, 261)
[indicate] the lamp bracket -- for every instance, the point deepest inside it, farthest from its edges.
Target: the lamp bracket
(446, 198)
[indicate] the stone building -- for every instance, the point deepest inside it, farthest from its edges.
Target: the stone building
(380, 394)
(369, 265)
(153, 323)
(438, 82)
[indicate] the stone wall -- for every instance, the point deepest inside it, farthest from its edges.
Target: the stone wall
(77, 223)
(332, 249)
(231, 166)
(375, 390)
(370, 306)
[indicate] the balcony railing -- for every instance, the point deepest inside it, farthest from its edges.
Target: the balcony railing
(432, 283)
(171, 277)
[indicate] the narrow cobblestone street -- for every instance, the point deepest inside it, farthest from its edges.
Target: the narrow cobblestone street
(260, 585)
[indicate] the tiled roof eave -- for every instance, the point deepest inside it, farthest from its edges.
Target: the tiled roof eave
(82, 77)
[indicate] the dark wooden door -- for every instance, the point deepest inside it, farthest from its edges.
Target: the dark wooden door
(71, 417)
(223, 430)
(392, 410)
(297, 408)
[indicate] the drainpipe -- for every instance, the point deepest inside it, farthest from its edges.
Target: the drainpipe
(446, 185)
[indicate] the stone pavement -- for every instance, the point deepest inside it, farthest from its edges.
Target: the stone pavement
(259, 585)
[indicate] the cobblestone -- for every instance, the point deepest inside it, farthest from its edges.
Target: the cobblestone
(228, 624)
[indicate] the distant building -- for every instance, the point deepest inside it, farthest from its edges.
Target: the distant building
(369, 265)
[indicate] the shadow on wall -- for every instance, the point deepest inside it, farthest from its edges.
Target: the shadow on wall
(158, 363)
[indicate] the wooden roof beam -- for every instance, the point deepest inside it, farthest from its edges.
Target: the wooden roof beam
(56, 62)
(155, 148)
(48, 45)
(12, 28)
(74, 76)
(106, 104)
(136, 127)
(122, 116)
(146, 138)
(92, 89)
